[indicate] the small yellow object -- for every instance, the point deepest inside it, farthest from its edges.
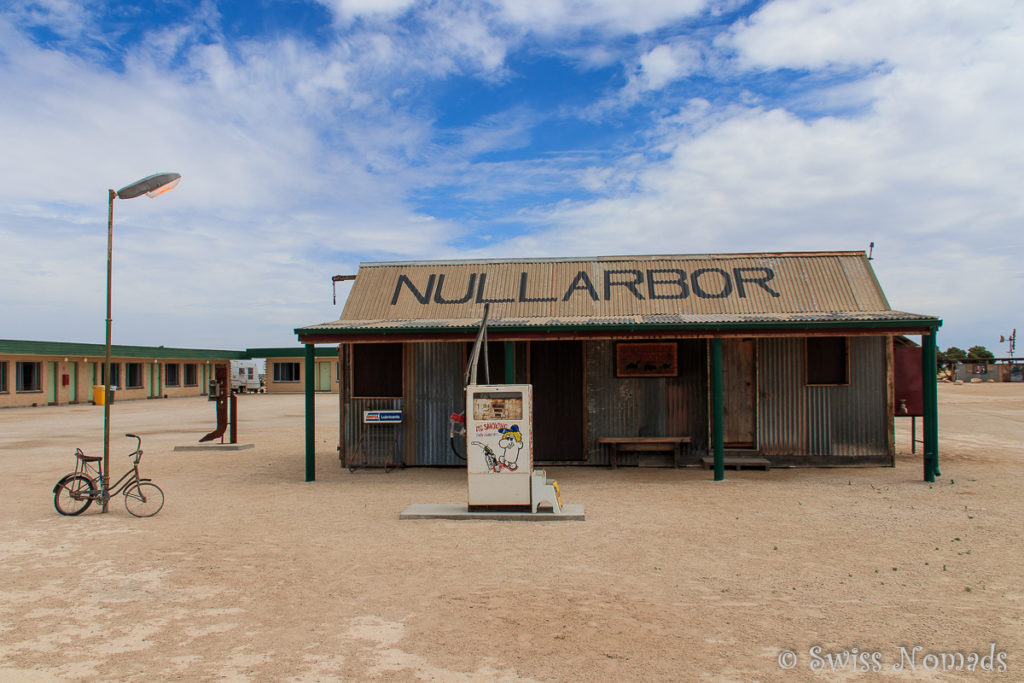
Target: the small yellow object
(558, 494)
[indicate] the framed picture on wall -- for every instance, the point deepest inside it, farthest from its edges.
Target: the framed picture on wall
(646, 359)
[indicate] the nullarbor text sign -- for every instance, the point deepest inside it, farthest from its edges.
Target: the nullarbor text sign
(641, 284)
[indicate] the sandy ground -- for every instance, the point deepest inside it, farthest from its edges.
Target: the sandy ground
(250, 573)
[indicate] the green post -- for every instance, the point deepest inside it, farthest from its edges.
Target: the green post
(930, 394)
(310, 416)
(510, 363)
(717, 408)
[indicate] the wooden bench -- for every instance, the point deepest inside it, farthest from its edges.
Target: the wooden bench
(643, 444)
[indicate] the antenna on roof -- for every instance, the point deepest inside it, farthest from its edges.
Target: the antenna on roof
(334, 285)
(871, 250)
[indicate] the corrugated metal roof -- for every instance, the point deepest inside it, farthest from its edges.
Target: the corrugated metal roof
(616, 291)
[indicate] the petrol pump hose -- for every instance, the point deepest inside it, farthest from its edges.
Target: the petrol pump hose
(456, 427)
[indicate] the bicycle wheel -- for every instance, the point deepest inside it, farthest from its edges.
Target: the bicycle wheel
(71, 495)
(144, 499)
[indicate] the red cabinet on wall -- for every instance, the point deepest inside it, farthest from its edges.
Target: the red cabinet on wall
(907, 390)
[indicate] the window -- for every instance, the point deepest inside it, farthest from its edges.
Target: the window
(133, 375)
(828, 360)
(28, 377)
(190, 375)
(3, 377)
(171, 378)
(287, 372)
(377, 370)
(115, 374)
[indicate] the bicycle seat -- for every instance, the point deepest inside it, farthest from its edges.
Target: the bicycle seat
(88, 458)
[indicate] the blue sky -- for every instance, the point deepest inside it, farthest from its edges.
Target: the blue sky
(315, 135)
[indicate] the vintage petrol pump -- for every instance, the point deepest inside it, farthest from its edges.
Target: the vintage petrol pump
(499, 445)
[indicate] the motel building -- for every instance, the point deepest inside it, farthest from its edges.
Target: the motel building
(41, 373)
(285, 369)
(773, 359)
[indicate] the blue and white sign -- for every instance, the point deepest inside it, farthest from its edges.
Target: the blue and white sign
(382, 416)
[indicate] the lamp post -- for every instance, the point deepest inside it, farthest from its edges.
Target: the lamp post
(151, 186)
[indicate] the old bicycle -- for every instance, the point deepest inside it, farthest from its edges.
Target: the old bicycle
(75, 492)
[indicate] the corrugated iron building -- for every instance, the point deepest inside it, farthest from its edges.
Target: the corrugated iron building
(795, 349)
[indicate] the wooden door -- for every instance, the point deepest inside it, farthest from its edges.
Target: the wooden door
(73, 385)
(323, 376)
(556, 372)
(739, 386)
(51, 382)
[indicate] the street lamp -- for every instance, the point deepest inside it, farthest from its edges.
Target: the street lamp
(151, 186)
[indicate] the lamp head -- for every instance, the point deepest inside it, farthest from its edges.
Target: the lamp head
(151, 186)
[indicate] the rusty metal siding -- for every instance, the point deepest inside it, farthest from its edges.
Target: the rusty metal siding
(645, 406)
(372, 445)
(859, 412)
(782, 411)
(627, 406)
(687, 396)
(438, 370)
(833, 421)
(433, 390)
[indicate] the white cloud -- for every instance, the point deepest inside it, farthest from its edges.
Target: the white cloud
(66, 18)
(927, 166)
(667, 63)
(816, 34)
(350, 9)
(549, 17)
(291, 166)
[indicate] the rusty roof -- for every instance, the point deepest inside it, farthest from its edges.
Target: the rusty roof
(710, 291)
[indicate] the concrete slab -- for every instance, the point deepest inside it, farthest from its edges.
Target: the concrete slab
(216, 447)
(572, 512)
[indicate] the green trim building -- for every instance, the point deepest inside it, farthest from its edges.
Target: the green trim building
(286, 371)
(779, 357)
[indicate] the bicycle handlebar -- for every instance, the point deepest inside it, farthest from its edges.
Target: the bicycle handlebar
(138, 446)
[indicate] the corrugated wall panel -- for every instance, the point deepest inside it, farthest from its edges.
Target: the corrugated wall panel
(438, 371)
(645, 406)
(372, 445)
(819, 420)
(842, 421)
(859, 411)
(687, 397)
(782, 413)
(613, 408)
